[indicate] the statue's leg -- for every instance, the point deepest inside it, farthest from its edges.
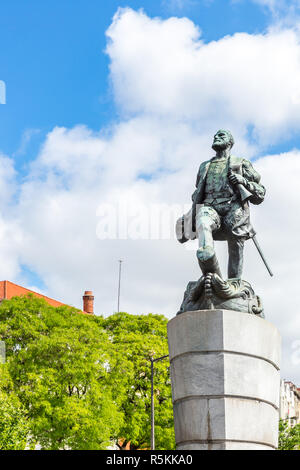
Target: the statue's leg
(236, 257)
(207, 220)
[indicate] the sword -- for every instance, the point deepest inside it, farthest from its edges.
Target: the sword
(261, 254)
(245, 195)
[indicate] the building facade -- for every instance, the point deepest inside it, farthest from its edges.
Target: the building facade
(289, 403)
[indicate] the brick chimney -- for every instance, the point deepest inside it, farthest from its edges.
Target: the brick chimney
(88, 302)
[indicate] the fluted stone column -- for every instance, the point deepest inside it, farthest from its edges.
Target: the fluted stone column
(225, 380)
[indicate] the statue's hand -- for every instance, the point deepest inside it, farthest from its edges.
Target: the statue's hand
(235, 178)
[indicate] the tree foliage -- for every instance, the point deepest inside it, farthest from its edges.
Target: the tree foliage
(14, 427)
(83, 382)
(135, 338)
(57, 360)
(289, 437)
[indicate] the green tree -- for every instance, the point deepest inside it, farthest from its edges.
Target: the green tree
(14, 427)
(135, 338)
(58, 359)
(289, 437)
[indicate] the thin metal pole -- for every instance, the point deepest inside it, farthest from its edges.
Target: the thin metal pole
(119, 287)
(152, 441)
(152, 407)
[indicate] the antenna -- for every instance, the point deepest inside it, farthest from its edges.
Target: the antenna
(119, 287)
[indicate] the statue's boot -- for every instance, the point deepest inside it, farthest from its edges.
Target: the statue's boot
(235, 259)
(208, 261)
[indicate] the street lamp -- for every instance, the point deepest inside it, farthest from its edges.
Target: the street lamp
(152, 398)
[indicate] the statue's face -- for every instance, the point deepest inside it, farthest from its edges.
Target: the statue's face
(221, 140)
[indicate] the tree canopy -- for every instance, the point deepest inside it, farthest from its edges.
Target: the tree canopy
(136, 338)
(57, 359)
(83, 382)
(289, 437)
(14, 429)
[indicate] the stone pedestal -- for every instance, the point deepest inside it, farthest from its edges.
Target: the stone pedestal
(225, 380)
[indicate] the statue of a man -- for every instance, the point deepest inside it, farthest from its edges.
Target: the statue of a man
(224, 187)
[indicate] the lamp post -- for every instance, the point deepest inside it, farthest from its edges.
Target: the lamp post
(152, 399)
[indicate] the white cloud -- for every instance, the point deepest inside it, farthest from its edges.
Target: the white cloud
(278, 229)
(283, 12)
(179, 5)
(278, 5)
(10, 234)
(27, 135)
(173, 92)
(8, 184)
(163, 67)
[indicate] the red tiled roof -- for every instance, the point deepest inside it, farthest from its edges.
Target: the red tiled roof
(9, 289)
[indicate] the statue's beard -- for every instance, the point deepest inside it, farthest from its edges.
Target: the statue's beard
(219, 146)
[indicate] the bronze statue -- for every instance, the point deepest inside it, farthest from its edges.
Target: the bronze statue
(225, 185)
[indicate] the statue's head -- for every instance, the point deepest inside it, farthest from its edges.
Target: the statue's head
(222, 140)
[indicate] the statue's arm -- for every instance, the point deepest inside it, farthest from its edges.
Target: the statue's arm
(252, 183)
(197, 182)
(199, 174)
(194, 195)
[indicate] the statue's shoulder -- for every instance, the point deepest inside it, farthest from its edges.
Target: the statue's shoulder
(234, 160)
(247, 168)
(202, 172)
(240, 161)
(203, 165)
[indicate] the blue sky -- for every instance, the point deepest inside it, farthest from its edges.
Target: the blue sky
(53, 62)
(94, 101)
